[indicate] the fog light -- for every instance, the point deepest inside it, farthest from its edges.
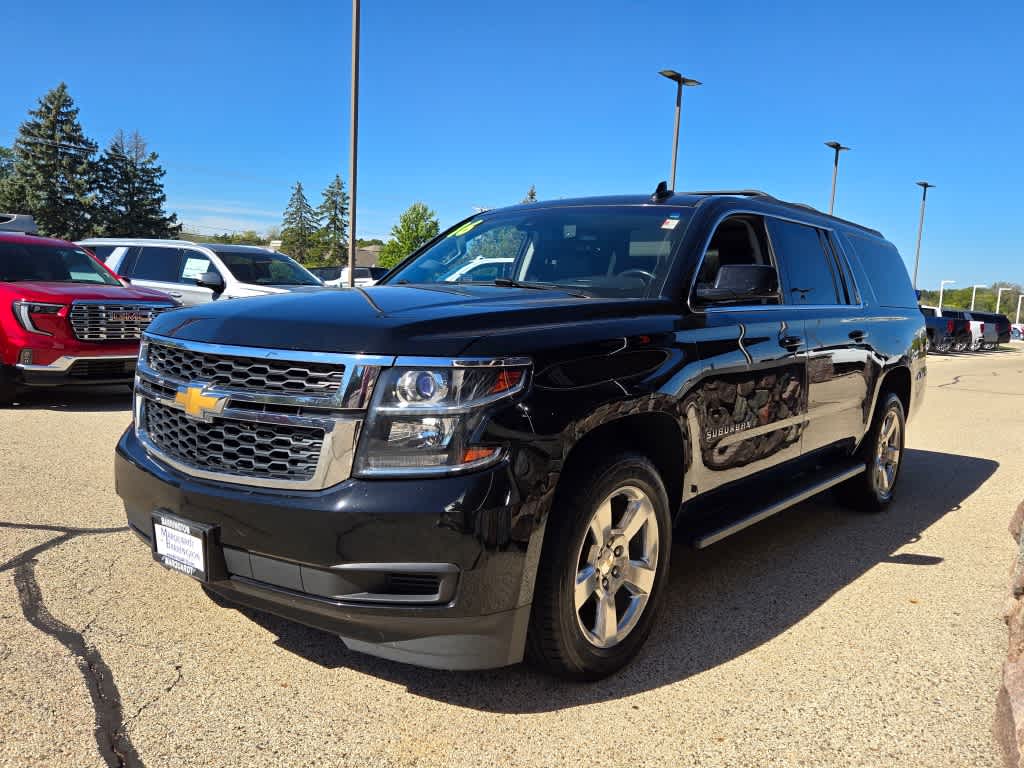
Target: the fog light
(25, 357)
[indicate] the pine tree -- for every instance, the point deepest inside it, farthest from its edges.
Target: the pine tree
(414, 228)
(130, 193)
(53, 168)
(6, 175)
(531, 196)
(299, 226)
(333, 214)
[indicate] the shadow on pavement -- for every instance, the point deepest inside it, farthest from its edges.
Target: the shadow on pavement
(101, 399)
(723, 601)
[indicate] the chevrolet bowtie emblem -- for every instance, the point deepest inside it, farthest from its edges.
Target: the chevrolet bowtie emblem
(197, 404)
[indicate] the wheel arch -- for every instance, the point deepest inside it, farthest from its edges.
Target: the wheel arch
(656, 435)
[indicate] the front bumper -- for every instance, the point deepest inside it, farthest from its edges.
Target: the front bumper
(328, 558)
(77, 370)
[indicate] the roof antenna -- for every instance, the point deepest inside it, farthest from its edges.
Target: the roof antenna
(662, 192)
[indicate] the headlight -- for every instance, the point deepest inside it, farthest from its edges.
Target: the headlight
(25, 311)
(428, 419)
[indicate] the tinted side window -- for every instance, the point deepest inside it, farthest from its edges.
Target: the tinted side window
(808, 269)
(154, 263)
(885, 270)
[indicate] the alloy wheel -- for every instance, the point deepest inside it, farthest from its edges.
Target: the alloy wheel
(887, 453)
(616, 567)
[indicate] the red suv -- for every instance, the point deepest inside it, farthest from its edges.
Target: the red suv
(65, 318)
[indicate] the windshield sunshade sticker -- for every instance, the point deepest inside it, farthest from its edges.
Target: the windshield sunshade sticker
(465, 228)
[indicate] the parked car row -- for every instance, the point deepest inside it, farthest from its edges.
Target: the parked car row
(960, 330)
(77, 311)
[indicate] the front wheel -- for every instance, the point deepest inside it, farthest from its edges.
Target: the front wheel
(603, 570)
(8, 391)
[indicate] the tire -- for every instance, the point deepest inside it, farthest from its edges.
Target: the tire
(8, 392)
(584, 643)
(873, 489)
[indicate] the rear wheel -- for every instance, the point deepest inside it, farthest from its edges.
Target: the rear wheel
(601, 577)
(882, 453)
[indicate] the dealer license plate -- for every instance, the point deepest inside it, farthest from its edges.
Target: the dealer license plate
(181, 545)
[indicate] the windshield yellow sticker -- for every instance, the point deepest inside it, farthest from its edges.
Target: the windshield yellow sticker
(464, 228)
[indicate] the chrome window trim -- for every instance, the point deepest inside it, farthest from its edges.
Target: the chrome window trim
(342, 419)
(775, 262)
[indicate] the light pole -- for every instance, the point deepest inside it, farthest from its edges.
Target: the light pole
(835, 172)
(942, 288)
(680, 81)
(925, 186)
(999, 297)
(974, 292)
(353, 147)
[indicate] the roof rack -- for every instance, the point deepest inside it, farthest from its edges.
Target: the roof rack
(734, 192)
(771, 198)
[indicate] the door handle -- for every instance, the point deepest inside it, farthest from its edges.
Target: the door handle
(858, 335)
(174, 295)
(790, 342)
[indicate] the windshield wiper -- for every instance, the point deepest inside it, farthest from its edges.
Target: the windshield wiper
(507, 282)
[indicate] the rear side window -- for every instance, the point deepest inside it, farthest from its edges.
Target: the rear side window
(885, 270)
(808, 267)
(160, 264)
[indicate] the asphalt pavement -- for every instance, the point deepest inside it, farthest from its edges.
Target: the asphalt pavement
(820, 637)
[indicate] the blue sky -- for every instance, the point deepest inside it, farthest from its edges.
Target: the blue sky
(468, 103)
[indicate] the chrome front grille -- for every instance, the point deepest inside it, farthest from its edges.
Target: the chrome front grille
(272, 451)
(271, 418)
(255, 374)
(96, 321)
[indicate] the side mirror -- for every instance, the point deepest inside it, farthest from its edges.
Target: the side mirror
(211, 280)
(125, 281)
(741, 282)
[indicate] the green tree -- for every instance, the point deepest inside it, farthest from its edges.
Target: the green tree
(333, 213)
(531, 195)
(414, 228)
(298, 230)
(6, 173)
(130, 192)
(54, 168)
(362, 242)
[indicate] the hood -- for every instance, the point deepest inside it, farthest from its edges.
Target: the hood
(399, 320)
(65, 293)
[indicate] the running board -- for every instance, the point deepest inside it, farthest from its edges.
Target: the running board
(784, 503)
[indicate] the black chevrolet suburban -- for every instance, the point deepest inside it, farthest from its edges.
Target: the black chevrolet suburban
(459, 472)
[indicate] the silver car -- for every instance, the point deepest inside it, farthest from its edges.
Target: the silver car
(195, 273)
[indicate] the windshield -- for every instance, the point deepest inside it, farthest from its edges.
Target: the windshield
(20, 262)
(265, 268)
(609, 251)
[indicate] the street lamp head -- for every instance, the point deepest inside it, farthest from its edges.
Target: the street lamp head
(925, 185)
(836, 146)
(671, 74)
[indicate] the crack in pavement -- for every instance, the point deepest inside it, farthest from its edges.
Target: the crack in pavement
(113, 743)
